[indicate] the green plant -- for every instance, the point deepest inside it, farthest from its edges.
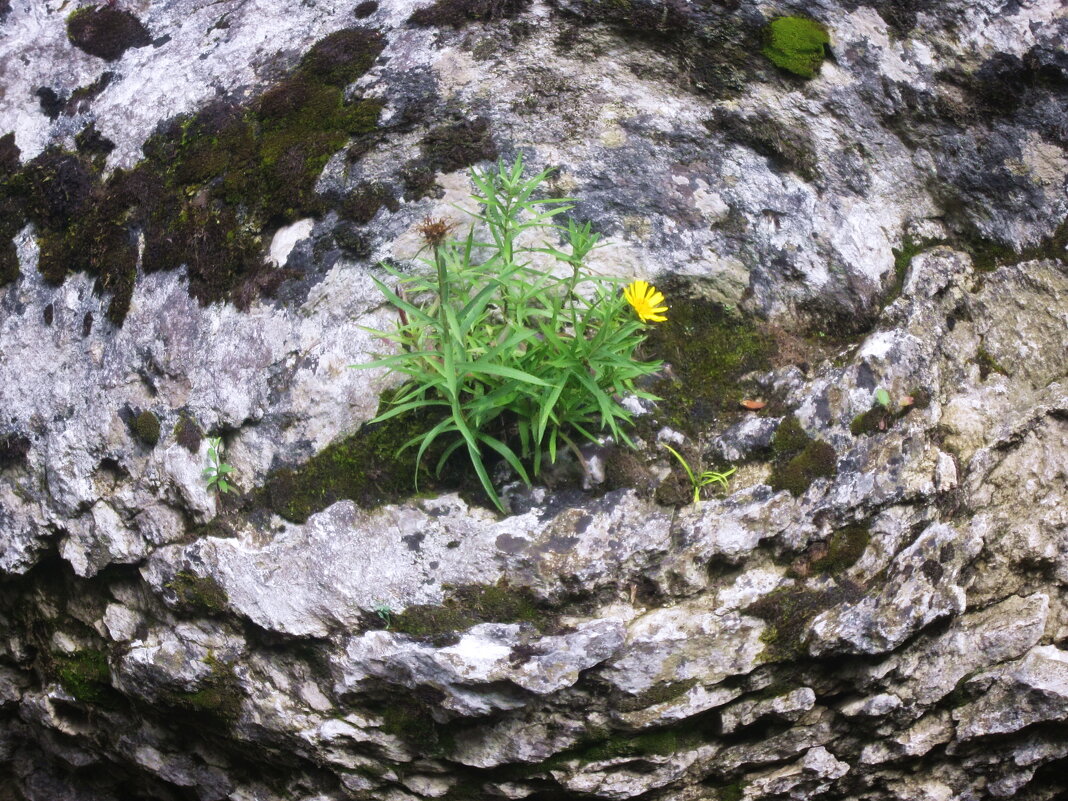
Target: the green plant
(882, 397)
(384, 612)
(518, 359)
(701, 480)
(217, 471)
(796, 44)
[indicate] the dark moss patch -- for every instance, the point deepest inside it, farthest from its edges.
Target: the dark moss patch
(86, 676)
(449, 148)
(873, 421)
(796, 44)
(714, 50)
(13, 450)
(91, 142)
(51, 103)
(212, 185)
(788, 149)
(789, 610)
(364, 467)
(989, 254)
(735, 791)
(217, 701)
(458, 13)
(362, 204)
(467, 606)
(408, 717)
(660, 694)
(106, 32)
(83, 96)
(187, 433)
(146, 427)
(798, 460)
(844, 549)
(709, 349)
(200, 594)
(11, 211)
(365, 9)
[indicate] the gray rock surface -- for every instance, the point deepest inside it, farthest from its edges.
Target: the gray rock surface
(893, 630)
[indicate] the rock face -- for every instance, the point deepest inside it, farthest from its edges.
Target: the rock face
(194, 199)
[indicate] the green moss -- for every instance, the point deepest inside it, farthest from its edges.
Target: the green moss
(798, 460)
(218, 699)
(146, 428)
(86, 676)
(467, 606)
(201, 594)
(989, 254)
(105, 31)
(709, 349)
(735, 791)
(796, 44)
(845, 547)
(988, 364)
(789, 610)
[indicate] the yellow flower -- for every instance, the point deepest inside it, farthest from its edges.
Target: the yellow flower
(647, 301)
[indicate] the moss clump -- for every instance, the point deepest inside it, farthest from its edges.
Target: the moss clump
(844, 549)
(187, 433)
(86, 676)
(467, 606)
(798, 460)
(458, 13)
(709, 349)
(796, 44)
(789, 610)
(106, 32)
(146, 428)
(200, 594)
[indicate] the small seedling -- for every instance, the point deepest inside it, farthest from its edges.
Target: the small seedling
(217, 471)
(703, 479)
(384, 613)
(882, 397)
